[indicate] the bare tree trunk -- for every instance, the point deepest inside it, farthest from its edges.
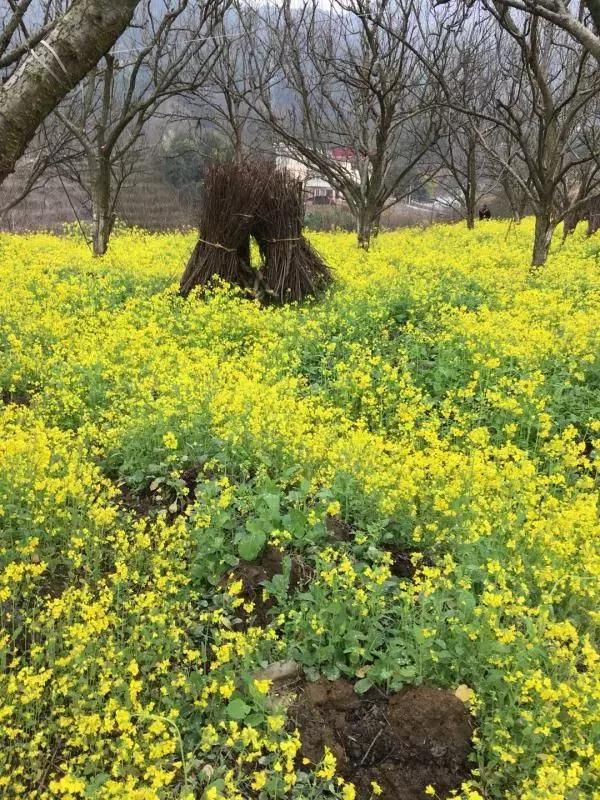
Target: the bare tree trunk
(471, 194)
(102, 216)
(544, 228)
(569, 224)
(470, 216)
(376, 225)
(81, 37)
(593, 217)
(516, 200)
(238, 145)
(364, 227)
(364, 235)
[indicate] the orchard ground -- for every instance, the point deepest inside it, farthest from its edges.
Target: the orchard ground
(393, 490)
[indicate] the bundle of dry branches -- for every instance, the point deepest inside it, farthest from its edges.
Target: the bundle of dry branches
(231, 198)
(244, 200)
(292, 269)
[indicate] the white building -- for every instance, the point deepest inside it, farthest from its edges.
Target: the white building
(318, 190)
(290, 162)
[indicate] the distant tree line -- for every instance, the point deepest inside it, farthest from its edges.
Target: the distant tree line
(481, 98)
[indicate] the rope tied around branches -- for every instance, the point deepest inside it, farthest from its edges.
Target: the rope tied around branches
(218, 246)
(255, 201)
(291, 239)
(234, 250)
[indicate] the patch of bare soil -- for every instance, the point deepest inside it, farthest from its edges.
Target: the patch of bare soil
(402, 565)
(15, 398)
(340, 529)
(405, 742)
(142, 504)
(146, 502)
(190, 480)
(254, 574)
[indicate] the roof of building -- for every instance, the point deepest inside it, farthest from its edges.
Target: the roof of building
(317, 183)
(341, 153)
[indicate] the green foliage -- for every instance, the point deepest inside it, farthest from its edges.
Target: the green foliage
(396, 486)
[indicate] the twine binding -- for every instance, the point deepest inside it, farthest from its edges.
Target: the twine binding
(218, 246)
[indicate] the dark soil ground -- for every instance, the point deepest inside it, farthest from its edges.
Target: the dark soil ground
(146, 503)
(404, 742)
(340, 529)
(401, 565)
(16, 398)
(253, 575)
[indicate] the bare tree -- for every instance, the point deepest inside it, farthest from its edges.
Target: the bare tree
(581, 20)
(545, 101)
(168, 52)
(548, 108)
(465, 170)
(225, 103)
(510, 173)
(52, 147)
(470, 86)
(43, 65)
(334, 79)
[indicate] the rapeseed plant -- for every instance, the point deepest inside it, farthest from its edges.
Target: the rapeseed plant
(440, 400)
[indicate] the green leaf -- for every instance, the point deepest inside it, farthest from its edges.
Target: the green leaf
(256, 526)
(408, 673)
(272, 502)
(254, 719)
(196, 680)
(362, 686)
(251, 544)
(295, 522)
(237, 709)
(95, 783)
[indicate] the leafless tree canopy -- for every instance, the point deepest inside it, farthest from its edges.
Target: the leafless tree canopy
(466, 173)
(546, 105)
(579, 19)
(225, 102)
(537, 122)
(168, 52)
(376, 98)
(334, 79)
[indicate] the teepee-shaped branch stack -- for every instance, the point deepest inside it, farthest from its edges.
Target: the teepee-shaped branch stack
(292, 269)
(244, 200)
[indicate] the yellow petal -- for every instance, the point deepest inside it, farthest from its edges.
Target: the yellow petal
(464, 693)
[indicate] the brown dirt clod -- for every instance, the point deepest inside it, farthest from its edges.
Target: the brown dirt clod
(402, 565)
(15, 398)
(405, 742)
(254, 573)
(340, 529)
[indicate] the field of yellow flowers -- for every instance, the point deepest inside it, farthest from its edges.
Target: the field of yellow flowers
(440, 402)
